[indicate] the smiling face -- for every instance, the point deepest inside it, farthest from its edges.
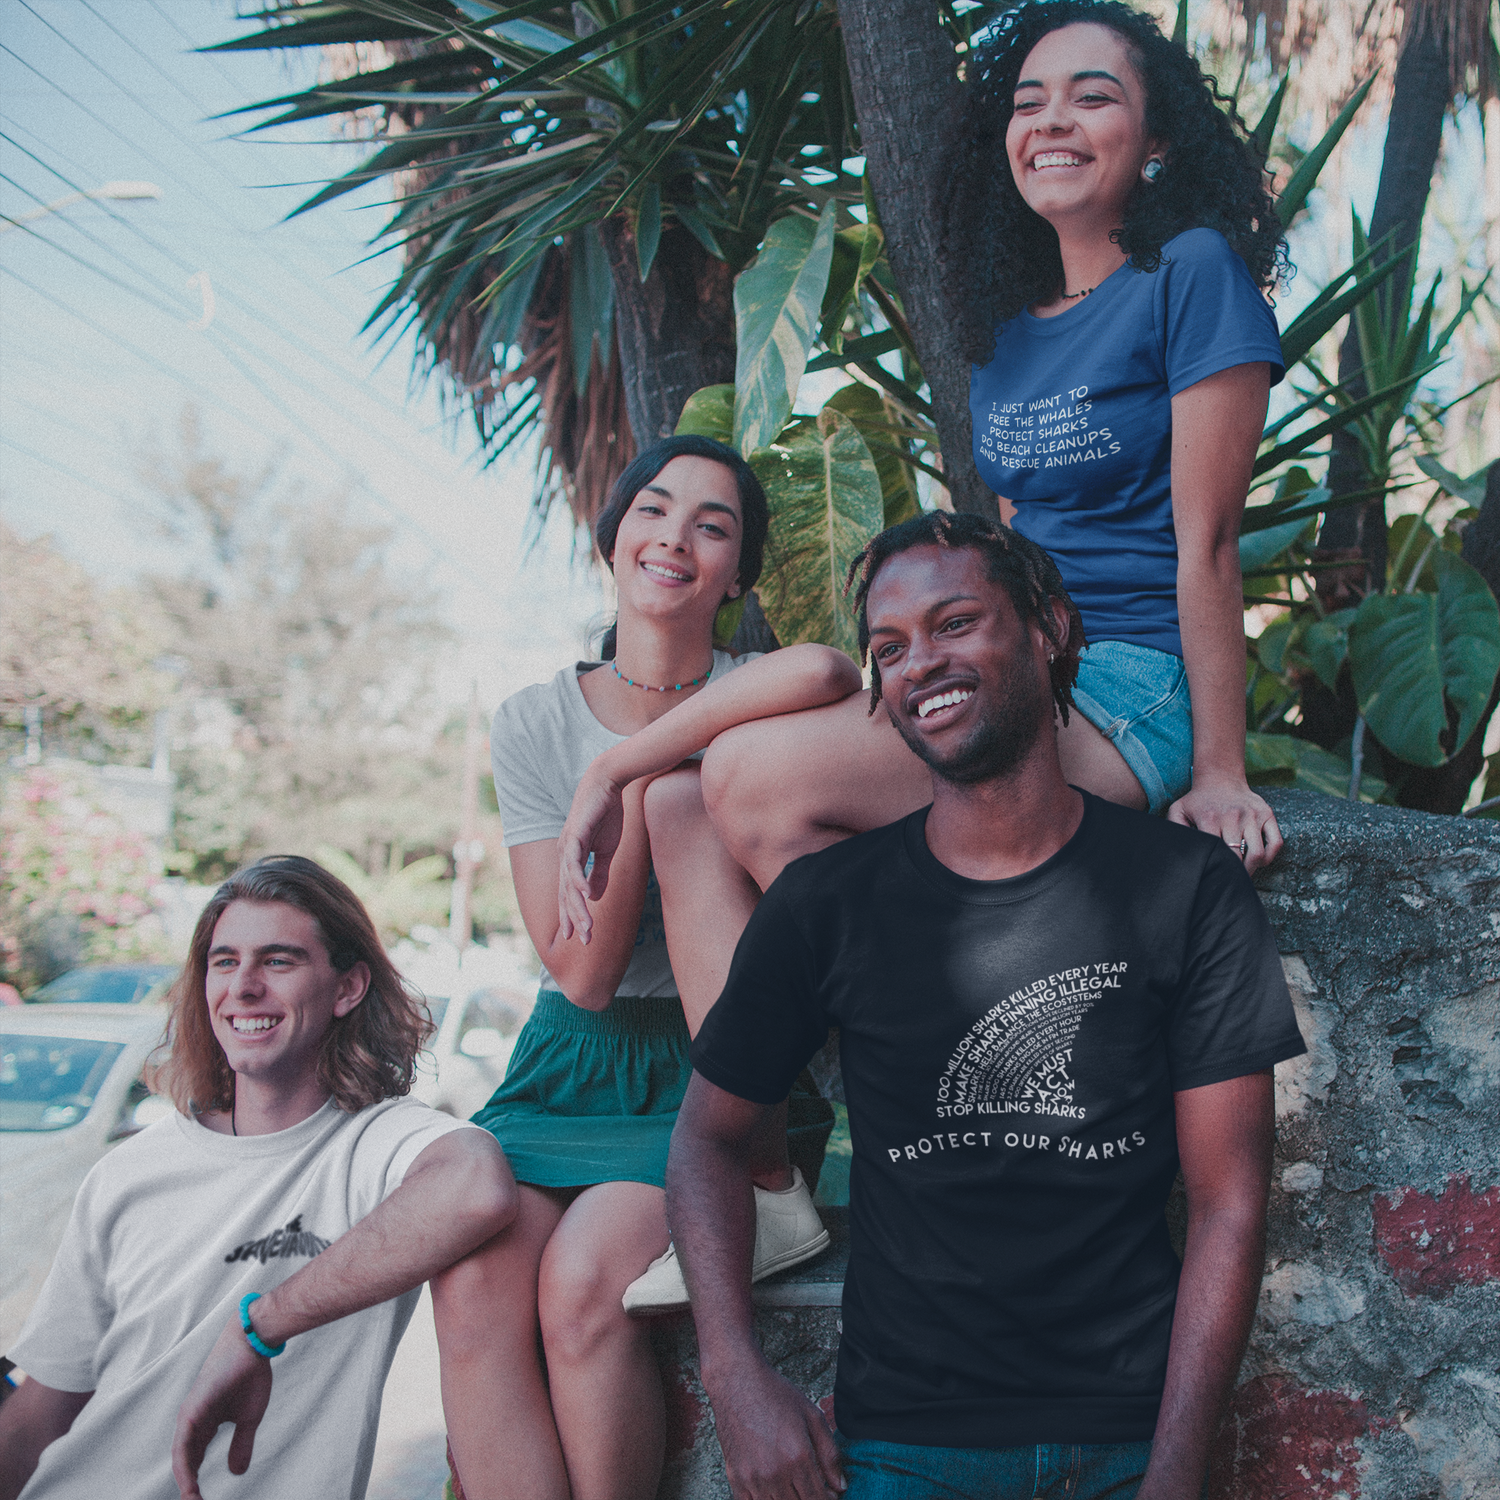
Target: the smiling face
(1077, 141)
(678, 546)
(963, 679)
(273, 993)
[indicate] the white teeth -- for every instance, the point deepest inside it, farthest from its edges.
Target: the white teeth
(247, 1024)
(662, 572)
(943, 700)
(1056, 159)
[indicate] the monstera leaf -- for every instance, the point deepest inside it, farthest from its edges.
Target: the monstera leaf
(709, 413)
(825, 505)
(776, 306)
(898, 481)
(1411, 655)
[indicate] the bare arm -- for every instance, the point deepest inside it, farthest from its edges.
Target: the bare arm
(776, 1444)
(457, 1194)
(32, 1417)
(1216, 427)
(588, 972)
(787, 681)
(1225, 1133)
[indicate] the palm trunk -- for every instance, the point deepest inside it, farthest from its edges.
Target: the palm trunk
(1422, 94)
(675, 329)
(902, 70)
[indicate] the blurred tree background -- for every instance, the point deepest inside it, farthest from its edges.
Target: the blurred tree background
(280, 672)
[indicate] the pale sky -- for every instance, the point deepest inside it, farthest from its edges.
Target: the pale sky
(102, 307)
(101, 351)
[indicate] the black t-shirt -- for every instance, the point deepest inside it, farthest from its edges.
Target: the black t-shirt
(1010, 1050)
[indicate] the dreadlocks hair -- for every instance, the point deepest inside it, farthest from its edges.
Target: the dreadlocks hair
(1213, 174)
(1025, 571)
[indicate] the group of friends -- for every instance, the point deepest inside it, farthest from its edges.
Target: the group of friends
(1049, 999)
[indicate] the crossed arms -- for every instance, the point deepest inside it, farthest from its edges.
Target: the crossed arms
(457, 1194)
(776, 1443)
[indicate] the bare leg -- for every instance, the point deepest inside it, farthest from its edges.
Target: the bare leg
(495, 1399)
(783, 787)
(706, 900)
(606, 1388)
(780, 788)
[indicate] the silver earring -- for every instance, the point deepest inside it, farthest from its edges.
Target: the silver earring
(1153, 168)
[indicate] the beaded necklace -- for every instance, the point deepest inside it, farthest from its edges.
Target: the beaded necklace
(614, 667)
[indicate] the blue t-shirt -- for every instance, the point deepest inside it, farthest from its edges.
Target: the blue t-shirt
(1073, 424)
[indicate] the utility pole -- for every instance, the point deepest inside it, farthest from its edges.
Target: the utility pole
(468, 851)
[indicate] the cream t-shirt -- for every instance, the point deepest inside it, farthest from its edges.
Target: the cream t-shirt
(543, 739)
(168, 1232)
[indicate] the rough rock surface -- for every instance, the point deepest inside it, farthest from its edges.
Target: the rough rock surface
(1374, 1367)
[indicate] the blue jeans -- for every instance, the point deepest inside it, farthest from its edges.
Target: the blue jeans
(1138, 699)
(1052, 1471)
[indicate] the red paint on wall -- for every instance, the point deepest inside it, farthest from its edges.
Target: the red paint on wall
(1433, 1245)
(685, 1412)
(1281, 1441)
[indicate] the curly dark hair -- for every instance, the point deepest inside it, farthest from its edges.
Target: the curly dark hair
(1213, 176)
(1025, 571)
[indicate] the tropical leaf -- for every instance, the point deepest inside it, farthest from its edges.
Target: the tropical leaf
(1293, 196)
(709, 413)
(1281, 760)
(1262, 548)
(1325, 643)
(855, 252)
(776, 303)
(826, 504)
(871, 413)
(1470, 490)
(1412, 655)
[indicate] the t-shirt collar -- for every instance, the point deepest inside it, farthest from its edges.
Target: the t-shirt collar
(996, 892)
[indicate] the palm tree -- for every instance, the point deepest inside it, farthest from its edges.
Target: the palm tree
(576, 188)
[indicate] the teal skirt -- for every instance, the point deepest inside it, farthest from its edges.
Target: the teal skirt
(592, 1096)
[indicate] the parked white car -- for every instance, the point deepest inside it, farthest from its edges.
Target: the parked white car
(467, 1056)
(70, 1087)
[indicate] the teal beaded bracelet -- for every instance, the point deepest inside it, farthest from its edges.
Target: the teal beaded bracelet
(252, 1338)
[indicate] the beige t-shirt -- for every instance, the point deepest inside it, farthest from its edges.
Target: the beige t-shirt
(168, 1233)
(543, 739)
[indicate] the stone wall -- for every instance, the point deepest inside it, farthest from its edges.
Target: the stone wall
(1374, 1367)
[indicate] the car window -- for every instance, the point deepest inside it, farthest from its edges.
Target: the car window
(105, 986)
(49, 1082)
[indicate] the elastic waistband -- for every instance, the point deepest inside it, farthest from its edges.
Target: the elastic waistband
(625, 1015)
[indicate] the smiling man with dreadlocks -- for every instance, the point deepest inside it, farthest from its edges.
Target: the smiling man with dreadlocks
(1046, 1003)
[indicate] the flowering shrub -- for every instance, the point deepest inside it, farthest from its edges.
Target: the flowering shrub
(74, 879)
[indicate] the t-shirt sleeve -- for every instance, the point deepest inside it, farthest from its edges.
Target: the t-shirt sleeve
(769, 1021)
(1215, 316)
(60, 1342)
(388, 1146)
(527, 797)
(1232, 1014)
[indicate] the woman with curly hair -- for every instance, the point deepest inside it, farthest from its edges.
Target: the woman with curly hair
(1112, 240)
(1124, 351)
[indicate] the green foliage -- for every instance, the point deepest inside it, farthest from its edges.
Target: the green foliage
(396, 899)
(826, 504)
(776, 307)
(75, 881)
(1415, 655)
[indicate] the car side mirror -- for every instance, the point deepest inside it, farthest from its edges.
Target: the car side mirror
(482, 1041)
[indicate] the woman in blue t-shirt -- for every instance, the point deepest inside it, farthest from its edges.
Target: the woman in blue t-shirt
(1112, 239)
(1123, 353)
(1115, 239)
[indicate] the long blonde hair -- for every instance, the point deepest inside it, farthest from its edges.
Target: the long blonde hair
(368, 1055)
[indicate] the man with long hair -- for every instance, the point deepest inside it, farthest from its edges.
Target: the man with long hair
(296, 1202)
(1046, 1002)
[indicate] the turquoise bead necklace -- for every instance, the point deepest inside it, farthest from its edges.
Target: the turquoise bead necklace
(614, 667)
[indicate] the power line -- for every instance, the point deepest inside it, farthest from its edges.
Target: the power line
(52, 463)
(373, 493)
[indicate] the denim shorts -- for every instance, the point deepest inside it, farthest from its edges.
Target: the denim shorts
(1138, 700)
(877, 1470)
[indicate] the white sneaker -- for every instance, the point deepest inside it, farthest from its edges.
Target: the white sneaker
(788, 1231)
